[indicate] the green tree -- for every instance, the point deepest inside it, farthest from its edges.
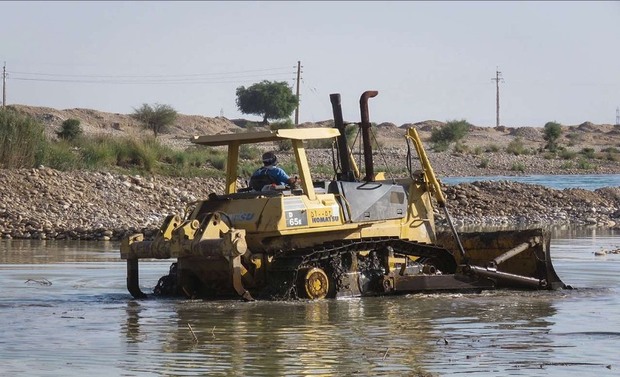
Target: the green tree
(552, 133)
(270, 100)
(70, 129)
(452, 131)
(156, 118)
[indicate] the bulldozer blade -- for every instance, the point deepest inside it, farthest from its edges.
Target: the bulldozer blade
(511, 259)
(435, 283)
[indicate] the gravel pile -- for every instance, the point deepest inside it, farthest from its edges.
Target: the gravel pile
(48, 204)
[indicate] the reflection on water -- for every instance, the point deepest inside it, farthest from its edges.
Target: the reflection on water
(370, 336)
(51, 251)
(86, 323)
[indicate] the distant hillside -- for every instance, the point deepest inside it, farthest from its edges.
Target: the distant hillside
(93, 121)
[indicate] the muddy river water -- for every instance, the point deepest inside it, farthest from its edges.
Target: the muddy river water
(64, 311)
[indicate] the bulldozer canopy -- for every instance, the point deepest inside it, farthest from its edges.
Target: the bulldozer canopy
(266, 136)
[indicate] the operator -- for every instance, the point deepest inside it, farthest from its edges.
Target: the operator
(270, 173)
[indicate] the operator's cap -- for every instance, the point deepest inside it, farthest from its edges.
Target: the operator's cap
(269, 158)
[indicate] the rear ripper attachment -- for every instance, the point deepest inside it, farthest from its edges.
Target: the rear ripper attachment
(358, 234)
(204, 250)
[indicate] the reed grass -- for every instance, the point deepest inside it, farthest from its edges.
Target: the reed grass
(22, 140)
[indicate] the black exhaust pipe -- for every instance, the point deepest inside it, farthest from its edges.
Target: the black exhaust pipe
(343, 149)
(368, 164)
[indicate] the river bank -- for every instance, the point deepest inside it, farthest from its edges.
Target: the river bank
(49, 204)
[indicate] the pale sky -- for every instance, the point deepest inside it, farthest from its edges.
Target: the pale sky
(429, 60)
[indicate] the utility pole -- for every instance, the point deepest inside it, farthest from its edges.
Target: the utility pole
(297, 92)
(617, 116)
(4, 85)
(497, 79)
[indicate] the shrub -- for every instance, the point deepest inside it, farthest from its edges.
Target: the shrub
(587, 152)
(70, 129)
(246, 169)
(460, 147)
(451, 132)
(492, 148)
(441, 146)
(284, 145)
(566, 165)
(610, 150)
(217, 161)
(290, 167)
(352, 133)
(322, 171)
(193, 162)
(22, 140)
(249, 152)
(584, 164)
(285, 124)
(551, 134)
(518, 166)
(516, 147)
(565, 154)
(484, 163)
(195, 157)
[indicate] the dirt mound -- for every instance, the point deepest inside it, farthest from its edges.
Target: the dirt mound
(528, 133)
(586, 126)
(387, 125)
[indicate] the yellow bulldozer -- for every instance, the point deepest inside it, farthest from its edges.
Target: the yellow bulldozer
(353, 235)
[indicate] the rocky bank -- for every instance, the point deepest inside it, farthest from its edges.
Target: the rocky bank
(48, 204)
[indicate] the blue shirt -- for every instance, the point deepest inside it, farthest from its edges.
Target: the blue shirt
(277, 174)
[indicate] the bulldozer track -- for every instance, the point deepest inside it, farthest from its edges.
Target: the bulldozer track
(287, 264)
(329, 250)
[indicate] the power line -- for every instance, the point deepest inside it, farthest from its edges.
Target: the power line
(287, 70)
(221, 80)
(314, 90)
(231, 77)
